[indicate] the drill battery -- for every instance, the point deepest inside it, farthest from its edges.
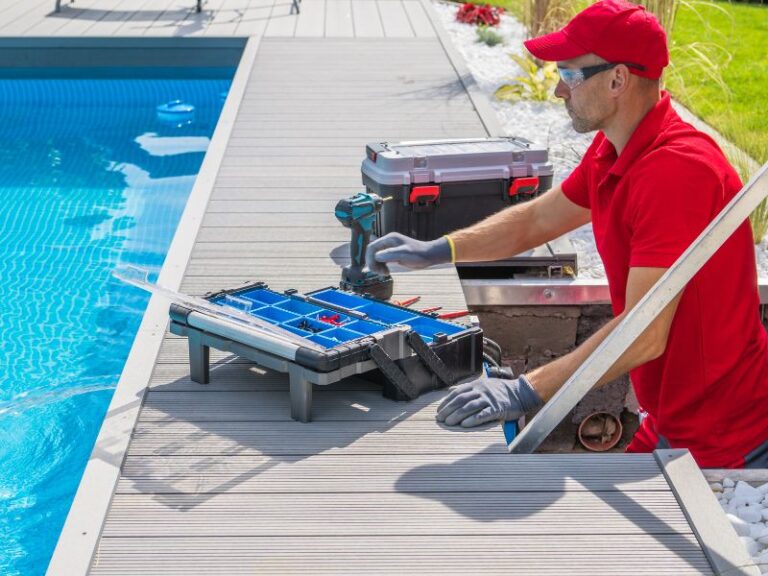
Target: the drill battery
(439, 186)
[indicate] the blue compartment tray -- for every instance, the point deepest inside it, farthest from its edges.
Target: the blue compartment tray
(330, 317)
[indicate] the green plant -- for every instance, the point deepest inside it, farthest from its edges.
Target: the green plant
(746, 166)
(697, 59)
(488, 36)
(738, 115)
(664, 10)
(535, 83)
(759, 221)
(545, 16)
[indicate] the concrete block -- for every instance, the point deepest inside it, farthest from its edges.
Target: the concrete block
(526, 330)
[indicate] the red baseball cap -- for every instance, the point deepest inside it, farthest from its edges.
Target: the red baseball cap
(615, 30)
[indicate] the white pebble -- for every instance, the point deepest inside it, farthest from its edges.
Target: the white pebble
(763, 537)
(751, 546)
(763, 568)
(716, 487)
(764, 513)
(756, 530)
(728, 493)
(738, 501)
(749, 493)
(763, 488)
(728, 483)
(749, 514)
(741, 527)
(761, 558)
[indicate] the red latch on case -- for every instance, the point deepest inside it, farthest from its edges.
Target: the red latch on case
(424, 194)
(525, 185)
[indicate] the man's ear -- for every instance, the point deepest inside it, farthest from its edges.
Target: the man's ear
(619, 79)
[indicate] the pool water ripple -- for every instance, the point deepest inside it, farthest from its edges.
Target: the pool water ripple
(80, 195)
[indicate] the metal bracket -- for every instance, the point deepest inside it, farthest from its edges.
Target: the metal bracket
(432, 360)
(392, 371)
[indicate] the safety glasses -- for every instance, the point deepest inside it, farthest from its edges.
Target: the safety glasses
(573, 77)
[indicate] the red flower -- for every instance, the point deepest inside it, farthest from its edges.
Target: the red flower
(476, 14)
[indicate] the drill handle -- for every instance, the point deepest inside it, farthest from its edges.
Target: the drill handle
(361, 237)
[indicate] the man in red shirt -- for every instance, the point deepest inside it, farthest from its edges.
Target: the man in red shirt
(650, 183)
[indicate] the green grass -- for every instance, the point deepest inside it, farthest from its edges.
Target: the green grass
(742, 117)
(742, 31)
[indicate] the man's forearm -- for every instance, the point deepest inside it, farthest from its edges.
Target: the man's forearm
(519, 228)
(501, 235)
(549, 378)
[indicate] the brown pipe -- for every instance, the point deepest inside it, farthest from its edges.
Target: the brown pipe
(600, 431)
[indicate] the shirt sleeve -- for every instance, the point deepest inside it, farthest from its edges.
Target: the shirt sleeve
(672, 199)
(576, 185)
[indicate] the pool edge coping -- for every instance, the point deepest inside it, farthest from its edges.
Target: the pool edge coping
(550, 291)
(77, 544)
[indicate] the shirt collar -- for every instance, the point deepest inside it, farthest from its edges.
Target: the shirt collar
(646, 132)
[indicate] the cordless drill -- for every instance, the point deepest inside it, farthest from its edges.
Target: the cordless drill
(359, 213)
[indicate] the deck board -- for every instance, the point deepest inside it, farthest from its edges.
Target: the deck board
(367, 20)
(395, 19)
(347, 514)
(581, 555)
(338, 19)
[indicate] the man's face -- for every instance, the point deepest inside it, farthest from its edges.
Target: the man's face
(588, 104)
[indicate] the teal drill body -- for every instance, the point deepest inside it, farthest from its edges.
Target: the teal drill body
(359, 213)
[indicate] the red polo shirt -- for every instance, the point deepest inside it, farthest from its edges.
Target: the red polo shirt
(708, 392)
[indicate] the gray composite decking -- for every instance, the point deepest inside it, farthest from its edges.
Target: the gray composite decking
(219, 18)
(296, 148)
(218, 479)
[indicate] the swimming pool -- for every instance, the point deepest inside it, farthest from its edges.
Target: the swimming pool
(92, 177)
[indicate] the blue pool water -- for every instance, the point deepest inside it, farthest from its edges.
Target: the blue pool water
(90, 179)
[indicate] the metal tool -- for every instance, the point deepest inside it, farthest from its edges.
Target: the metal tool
(359, 213)
(640, 317)
(407, 301)
(453, 315)
(431, 309)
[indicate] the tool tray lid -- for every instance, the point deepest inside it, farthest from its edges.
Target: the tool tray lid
(345, 324)
(456, 160)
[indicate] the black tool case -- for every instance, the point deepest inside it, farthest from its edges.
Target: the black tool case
(345, 334)
(439, 186)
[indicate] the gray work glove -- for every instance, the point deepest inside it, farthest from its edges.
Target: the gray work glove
(487, 399)
(408, 252)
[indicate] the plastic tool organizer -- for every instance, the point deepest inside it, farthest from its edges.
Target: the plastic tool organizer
(408, 352)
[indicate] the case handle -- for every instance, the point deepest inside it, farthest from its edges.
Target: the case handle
(424, 194)
(527, 185)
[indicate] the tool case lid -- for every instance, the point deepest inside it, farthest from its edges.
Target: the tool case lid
(456, 160)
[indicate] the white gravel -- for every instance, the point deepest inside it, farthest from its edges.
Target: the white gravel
(746, 507)
(545, 123)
